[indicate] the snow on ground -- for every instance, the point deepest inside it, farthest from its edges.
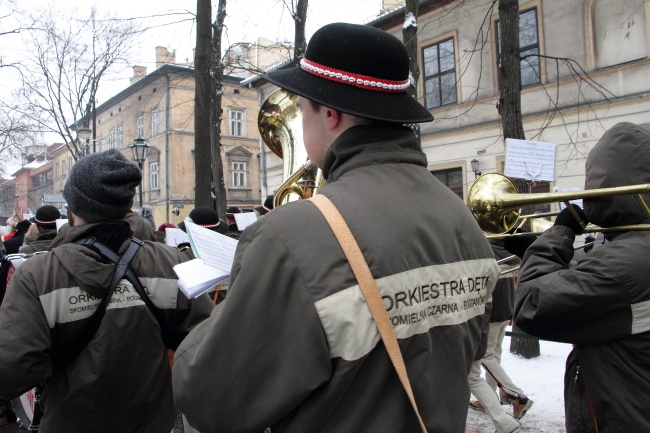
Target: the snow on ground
(542, 379)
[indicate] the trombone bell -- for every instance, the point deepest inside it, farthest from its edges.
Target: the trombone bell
(494, 201)
(486, 201)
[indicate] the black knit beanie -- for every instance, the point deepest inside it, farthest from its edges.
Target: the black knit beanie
(101, 186)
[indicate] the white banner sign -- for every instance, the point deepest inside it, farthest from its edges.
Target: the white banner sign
(530, 160)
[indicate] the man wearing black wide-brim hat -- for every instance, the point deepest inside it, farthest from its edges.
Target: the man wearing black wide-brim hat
(303, 351)
(45, 220)
(266, 207)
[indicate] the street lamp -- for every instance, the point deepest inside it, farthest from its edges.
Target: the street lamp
(475, 168)
(83, 135)
(140, 147)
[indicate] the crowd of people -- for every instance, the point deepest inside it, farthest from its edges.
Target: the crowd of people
(326, 325)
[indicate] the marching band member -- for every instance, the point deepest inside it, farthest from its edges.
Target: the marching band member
(45, 222)
(294, 346)
(602, 304)
(120, 381)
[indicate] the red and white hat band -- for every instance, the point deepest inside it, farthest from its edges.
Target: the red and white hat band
(209, 225)
(362, 81)
(44, 222)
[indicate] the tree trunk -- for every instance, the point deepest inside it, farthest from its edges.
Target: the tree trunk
(410, 38)
(216, 113)
(511, 120)
(509, 69)
(202, 63)
(528, 347)
(300, 42)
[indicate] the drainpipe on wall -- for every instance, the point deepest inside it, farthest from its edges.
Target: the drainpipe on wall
(262, 149)
(167, 125)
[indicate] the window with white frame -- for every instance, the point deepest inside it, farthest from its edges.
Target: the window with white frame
(528, 47)
(440, 74)
(153, 175)
(237, 124)
(111, 139)
(120, 137)
(154, 122)
(139, 126)
(452, 178)
(239, 171)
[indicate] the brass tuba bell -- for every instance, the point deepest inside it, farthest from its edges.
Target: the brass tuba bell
(280, 125)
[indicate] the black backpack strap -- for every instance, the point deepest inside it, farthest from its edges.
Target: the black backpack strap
(72, 352)
(133, 279)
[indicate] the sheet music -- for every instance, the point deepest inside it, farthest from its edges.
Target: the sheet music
(196, 278)
(60, 223)
(175, 236)
(244, 219)
(213, 248)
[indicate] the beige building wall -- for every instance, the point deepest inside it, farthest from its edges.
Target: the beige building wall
(160, 106)
(607, 39)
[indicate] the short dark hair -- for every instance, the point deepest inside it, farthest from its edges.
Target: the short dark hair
(361, 120)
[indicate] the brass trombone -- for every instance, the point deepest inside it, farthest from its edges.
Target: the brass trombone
(495, 202)
(507, 269)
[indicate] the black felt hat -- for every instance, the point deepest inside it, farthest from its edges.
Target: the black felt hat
(206, 217)
(23, 225)
(46, 215)
(266, 207)
(356, 69)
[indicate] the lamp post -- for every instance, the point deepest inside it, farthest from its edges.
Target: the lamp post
(475, 168)
(140, 147)
(84, 134)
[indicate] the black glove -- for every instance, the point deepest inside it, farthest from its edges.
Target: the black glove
(518, 245)
(567, 219)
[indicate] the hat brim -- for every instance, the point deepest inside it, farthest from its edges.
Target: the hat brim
(372, 104)
(260, 210)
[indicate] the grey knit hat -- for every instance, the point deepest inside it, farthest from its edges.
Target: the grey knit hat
(101, 186)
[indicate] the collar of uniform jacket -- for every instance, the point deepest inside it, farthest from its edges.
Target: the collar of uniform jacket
(369, 145)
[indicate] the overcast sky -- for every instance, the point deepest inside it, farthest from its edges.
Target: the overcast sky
(245, 21)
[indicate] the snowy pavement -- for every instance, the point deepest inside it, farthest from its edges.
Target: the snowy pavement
(542, 378)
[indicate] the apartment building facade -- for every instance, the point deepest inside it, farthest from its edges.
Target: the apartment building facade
(592, 72)
(159, 107)
(31, 185)
(585, 67)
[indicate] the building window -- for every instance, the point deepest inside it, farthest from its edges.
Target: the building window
(153, 175)
(239, 172)
(139, 127)
(154, 122)
(440, 74)
(56, 170)
(528, 47)
(120, 137)
(111, 139)
(452, 178)
(42, 179)
(237, 123)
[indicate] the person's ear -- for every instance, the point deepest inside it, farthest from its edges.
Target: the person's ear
(331, 117)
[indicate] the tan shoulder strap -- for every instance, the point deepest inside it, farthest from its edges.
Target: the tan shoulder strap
(370, 291)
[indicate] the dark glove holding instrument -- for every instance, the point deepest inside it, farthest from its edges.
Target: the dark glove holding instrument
(566, 218)
(518, 245)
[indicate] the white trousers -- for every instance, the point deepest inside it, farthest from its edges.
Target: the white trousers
(492, 361)
(484, 392)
